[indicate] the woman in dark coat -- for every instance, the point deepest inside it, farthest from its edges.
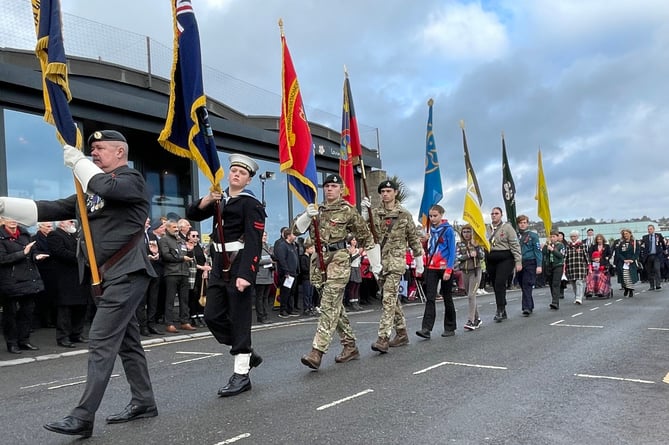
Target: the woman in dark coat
(71, 296)
(625, 257)
(19, 283)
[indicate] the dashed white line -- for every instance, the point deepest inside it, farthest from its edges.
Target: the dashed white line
(204, 355)
(608, 304)
(556, 322)
(594, 308)
(577, 314)
(65, 385)
(234, 439)
(471, 365)
(606, 377)
(577, 326)
(345, 399)
(658, 329)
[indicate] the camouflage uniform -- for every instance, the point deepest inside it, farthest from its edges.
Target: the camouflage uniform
(336, 221)
(396, 230)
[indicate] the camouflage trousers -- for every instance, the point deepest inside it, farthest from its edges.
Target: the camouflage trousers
(392, 315)
(333, 315)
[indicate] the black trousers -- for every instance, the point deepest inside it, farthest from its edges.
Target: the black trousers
(17, 314)
(70, 322)
(115, 331)
(262, 292)
(653, 265)
(431, 278)
(229, 314)
(499, 265)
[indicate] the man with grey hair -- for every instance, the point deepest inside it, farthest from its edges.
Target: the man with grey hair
(117, 205)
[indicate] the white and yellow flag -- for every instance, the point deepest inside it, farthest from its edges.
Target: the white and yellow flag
(473, 215)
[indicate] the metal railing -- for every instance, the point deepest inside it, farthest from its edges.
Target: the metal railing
(97, 41)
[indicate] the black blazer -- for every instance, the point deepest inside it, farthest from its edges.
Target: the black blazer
(117, 211)
(63, 249)
(645, 245)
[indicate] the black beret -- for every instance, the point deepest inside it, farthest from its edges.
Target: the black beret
(106, 135)
(333, 179)
(388, 184)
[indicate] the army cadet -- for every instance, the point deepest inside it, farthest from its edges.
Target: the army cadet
(231, 293)
(336, 219)
(397, 231)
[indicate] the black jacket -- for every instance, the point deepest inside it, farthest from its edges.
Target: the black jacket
(63, 251)
(287, 259)
(18, 273)
(117, 211)
(172, 253)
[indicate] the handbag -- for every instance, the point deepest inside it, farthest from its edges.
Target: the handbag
(203, 294)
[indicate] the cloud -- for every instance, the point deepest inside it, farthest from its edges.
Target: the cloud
(464, 31)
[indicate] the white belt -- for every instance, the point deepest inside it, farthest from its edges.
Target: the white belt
(232, 246)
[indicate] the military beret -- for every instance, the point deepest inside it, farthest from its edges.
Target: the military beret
(244, 161)
(106, 135)
(333, 179)
(388, 184)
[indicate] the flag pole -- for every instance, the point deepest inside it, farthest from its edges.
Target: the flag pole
(370, 219)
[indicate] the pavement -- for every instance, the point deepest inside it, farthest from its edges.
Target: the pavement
(45, 339)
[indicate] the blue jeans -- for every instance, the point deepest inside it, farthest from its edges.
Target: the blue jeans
(526, 278)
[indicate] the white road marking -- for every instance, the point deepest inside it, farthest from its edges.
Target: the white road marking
(578, 326)
(577, 314)
(51, 382)
(429, 368)
(608, 304)
(659, 329)
(65, 385)
(203, 354)
(619, 299)
(234, 439)
(556, 322)
(594, 308)
(588, 376)
(345, 399)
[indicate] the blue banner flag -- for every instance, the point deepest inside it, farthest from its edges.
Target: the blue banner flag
(432, 191)
(55, 84)
(187, 116)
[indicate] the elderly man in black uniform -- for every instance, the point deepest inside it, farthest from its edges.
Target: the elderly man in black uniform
(230, 294)
(117, 207)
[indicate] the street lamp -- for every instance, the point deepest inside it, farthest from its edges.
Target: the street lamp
(264, 177)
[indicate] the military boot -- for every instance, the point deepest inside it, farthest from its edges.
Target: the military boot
(401, 338)
(312, 359)
(350, 352)
(380, 345)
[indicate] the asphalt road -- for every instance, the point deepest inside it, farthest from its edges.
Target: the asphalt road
(590, 374)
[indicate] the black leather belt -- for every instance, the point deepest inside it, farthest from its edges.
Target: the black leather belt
(332, 247)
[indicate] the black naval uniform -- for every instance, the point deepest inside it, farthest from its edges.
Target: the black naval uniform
(117, 211)
(228, 312)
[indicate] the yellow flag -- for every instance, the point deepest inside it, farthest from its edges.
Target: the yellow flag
(473, 215)
(543, 207)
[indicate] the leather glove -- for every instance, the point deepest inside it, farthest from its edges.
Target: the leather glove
(420, 268)
(23, 211)
(312, 210)
(72, 155)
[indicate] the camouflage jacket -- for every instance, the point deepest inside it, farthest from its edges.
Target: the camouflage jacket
(397, 231)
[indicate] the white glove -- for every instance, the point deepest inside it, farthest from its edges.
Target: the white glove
(303, 222)
(312, 210)
(72, 155)
(23, 211)
(420, 268)
(83, 168)
(374, 255)
(365, 203)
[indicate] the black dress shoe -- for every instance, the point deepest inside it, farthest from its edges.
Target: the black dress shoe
(13, 349)
(153, 330)
(255, 360)
(78, 340)
(28, 347)
(66, 344)
(144, 332)
(71, 426)
(132, 412)
(237, 384)
(423, 333)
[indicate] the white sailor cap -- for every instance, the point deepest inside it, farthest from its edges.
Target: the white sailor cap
(244, 161)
